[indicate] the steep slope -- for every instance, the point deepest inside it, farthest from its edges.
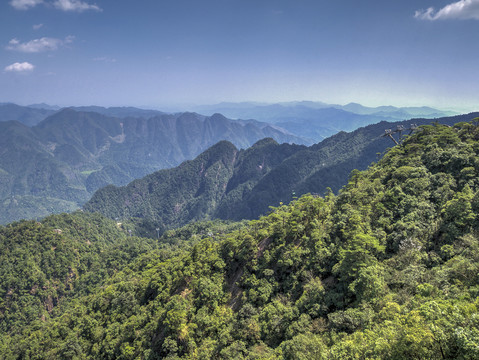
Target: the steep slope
(385, 270)
(196, 189)
(27, 168)
(56, 165)
(45, 265)
(259, 177)
(190, 189)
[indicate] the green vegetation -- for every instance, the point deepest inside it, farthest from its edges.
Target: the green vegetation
(44, 264)
(70, 154)
(387, 269)
(88, 172)
(230, 184)
(27, 206)
(197, 189)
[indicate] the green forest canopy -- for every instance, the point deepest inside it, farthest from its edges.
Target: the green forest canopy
(387, 269)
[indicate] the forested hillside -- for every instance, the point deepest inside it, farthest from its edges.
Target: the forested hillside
(45, 265)
(387, 269)
(56, 165)
(227, 183)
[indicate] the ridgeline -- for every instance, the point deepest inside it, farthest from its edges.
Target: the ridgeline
(231, 184)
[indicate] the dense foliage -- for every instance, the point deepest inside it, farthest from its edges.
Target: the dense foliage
(387, 269)
(44, 264)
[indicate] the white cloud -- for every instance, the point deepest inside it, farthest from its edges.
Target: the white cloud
(25, 4)
(75, 5)
(38, 45)
(64, 5)
(37, 26)
(463, 9)
(20, 67)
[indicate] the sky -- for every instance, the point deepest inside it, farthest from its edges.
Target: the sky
(154, 53)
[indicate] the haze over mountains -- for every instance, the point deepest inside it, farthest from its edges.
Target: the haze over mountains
(226, 183)
(313, 120)
(27, 115)
(57, 164)
(52, 160)
(318, 120)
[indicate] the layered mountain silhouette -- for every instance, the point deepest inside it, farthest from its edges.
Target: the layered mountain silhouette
(56, 165)
(318, 120)
(227, 183)
(27, 115)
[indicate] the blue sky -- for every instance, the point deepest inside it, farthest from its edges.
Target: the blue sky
(156, 53)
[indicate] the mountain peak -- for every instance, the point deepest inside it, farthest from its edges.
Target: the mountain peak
(218, 116)
(223, 144)
(265, 142)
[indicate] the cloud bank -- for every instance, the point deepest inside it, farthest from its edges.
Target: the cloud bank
(25, 4)
(20, 67)
(38, 45)
(64, 5)
(75, 5)
(461, 10)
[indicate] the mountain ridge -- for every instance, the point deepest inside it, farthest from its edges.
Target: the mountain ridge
(259, 177)
(70, 154)
(318, 120)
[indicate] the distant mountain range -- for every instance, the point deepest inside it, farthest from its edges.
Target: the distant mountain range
(53, 159)
(56, 165)
(312, 120)
(270, 112)
(226, 183)
(29, 116)
(32, 115)
(318, 120)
